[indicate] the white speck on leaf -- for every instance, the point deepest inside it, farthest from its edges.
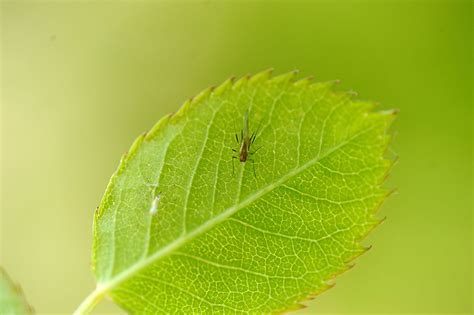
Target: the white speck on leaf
(154, 205)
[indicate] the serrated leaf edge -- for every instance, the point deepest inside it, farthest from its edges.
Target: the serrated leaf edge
(17, 289)
(258, 78)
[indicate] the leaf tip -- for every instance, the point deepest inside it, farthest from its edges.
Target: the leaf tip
(369, 247)
(305, 81)
(224, 86)
(393, 111)
(334, 82)
(388, 115)
(352, 93)
(202, 95)
(157, 127)
(136, 144)
(240, 82)
(261, 76)
(393, 191)
(310, 296)
(285, 78)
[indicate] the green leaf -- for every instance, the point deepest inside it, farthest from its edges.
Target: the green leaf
(12, 301)
(177, 231)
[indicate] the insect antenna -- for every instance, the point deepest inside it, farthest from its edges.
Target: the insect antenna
(255, 133)
(252, 137)
(253, 152)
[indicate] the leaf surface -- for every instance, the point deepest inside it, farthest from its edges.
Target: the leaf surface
(178, 231)
(12, 301)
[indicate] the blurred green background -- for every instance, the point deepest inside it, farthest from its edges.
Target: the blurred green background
(80, 80)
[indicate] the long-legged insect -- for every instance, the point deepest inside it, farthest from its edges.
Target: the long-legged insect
(246, 140)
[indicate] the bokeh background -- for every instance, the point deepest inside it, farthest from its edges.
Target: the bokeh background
(80, 80)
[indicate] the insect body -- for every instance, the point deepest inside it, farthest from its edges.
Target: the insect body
(246, 140)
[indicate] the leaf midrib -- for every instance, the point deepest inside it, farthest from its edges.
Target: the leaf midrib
(167, 250)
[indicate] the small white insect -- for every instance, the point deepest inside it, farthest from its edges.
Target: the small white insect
(154, 205)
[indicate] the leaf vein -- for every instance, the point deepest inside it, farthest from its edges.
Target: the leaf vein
(185, 292)
(292, 237)
(193, 173)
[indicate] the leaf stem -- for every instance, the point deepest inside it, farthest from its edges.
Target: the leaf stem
(90, 301)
